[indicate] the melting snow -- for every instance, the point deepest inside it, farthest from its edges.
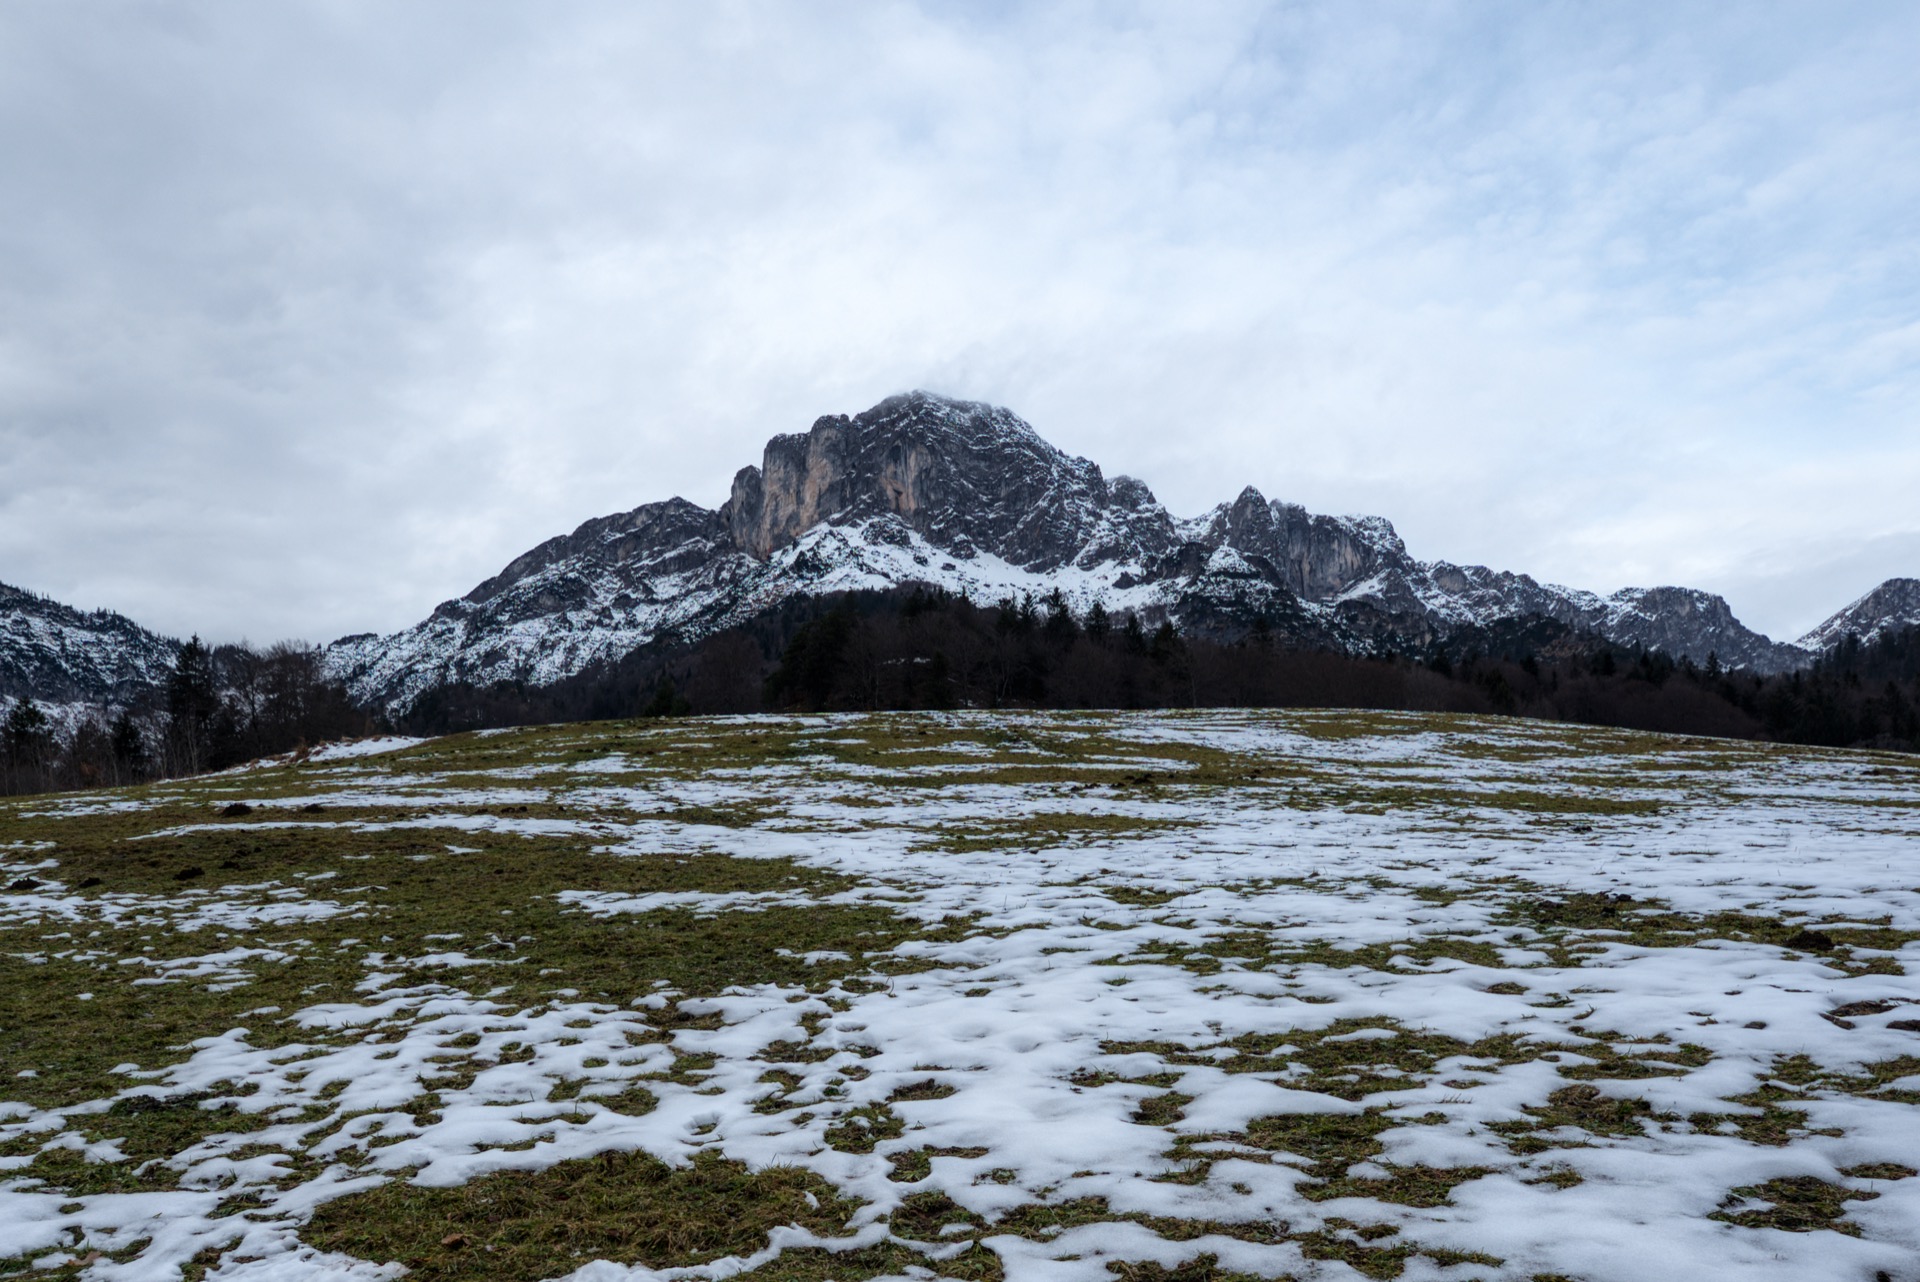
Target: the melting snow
(1058, 980)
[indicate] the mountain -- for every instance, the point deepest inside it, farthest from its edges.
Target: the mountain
(57, 655)
(954, 494)
(1893, 605)
(969, 497)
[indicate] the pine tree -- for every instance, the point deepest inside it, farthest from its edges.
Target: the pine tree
(1060, 627)
(939, 682)
(1166, 642)
(28, 736)
(1006, 617)
(193, 700)
(128, 745)
(667, 701)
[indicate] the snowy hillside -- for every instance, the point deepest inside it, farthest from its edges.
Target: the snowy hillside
(58, 655)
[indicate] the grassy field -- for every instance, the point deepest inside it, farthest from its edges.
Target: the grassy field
(984, 996)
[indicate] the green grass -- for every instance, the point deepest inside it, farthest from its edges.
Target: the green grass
(1258, 950)
(1333, 1062)
(1044, 829)
(523, 1226)
(1575, 1108)
(1326, 1146)
(1570, 921)
(1796, 1204)
(408, 897)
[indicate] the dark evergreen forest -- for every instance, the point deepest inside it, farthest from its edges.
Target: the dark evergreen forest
(915, 649)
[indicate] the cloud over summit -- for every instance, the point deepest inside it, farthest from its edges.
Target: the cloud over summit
(313, 315)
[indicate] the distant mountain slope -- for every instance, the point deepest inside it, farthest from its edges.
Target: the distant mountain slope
(1893, 605)
(56, 654)
(969, 497)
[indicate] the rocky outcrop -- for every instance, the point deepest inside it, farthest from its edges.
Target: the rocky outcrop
(651, 541)
(1319, 557)
(964, 476)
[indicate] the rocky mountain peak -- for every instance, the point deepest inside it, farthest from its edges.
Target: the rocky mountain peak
(949, 470)
(1687, 621)
(1131, 495)
(1319, 558)
(958, 495)
(670, 535)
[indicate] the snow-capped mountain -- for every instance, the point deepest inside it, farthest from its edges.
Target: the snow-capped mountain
(1893, 605)
(58, 655)
(955, 494)
(967, 496)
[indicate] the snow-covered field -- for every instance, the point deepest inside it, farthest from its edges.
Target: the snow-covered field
(1048, 997)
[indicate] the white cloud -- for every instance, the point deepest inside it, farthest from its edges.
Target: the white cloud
(315, 315)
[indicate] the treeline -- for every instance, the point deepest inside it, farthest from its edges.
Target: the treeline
(219, 708)
(924, 649)
(920, 649)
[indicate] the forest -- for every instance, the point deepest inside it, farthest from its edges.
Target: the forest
(925, 649)
(220, 707)
(921, 649)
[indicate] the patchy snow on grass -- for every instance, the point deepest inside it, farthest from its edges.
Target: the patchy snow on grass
(349, 749)
(1319, 995)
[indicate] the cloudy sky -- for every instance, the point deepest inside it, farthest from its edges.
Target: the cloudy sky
(313, 315)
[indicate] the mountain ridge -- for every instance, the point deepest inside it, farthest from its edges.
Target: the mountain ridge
(1892, 605)
(956, 494)
(969, 497)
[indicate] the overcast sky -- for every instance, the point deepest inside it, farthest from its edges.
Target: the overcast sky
(314, 315)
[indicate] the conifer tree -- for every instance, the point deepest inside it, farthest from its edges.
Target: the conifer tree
(28, 736)
(1060, 627)
(128, 745)
(193, 700)
(1166, 642)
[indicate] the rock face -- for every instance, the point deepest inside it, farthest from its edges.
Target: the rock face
(964, 477)
(1893, 605)
(966, 496)
(58, 655)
